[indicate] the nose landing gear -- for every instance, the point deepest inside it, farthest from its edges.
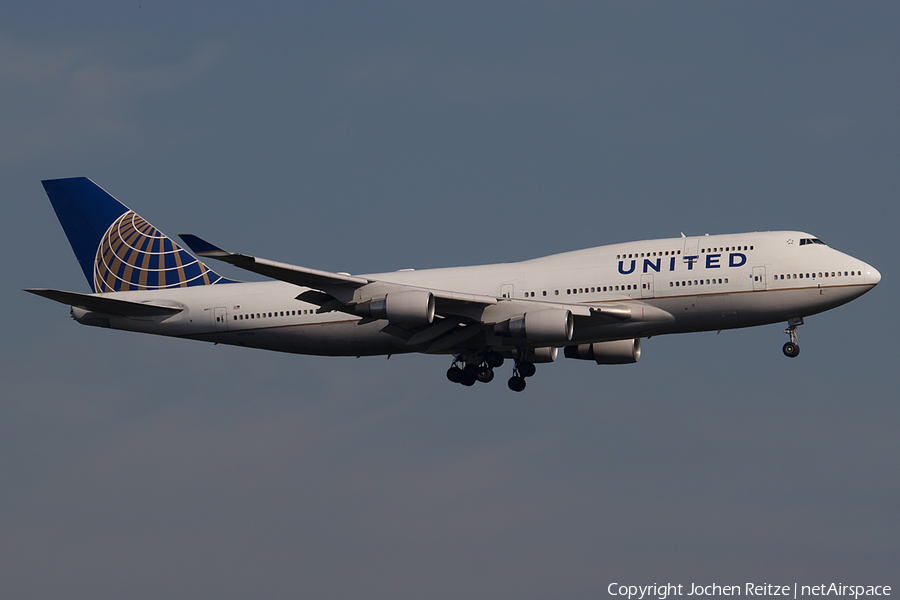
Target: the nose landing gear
(792, 349)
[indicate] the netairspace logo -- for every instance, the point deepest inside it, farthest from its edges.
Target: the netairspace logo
(795, 591)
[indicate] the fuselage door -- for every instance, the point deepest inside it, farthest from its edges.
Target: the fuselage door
(759, 278)
(220, 317)
(690, 247)
(647, 285)
(507, 290)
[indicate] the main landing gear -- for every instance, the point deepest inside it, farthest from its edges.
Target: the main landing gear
(477, 368)
(792, 349)
(522, 370)
(480, 368)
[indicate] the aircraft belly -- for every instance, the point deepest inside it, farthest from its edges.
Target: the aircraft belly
(718, 312)
(757, 308)
(348, 338)
(351, 338)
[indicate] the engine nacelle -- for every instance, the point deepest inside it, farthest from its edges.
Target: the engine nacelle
(542, 355)
(410, 307)
(549, 325)
(620, 352)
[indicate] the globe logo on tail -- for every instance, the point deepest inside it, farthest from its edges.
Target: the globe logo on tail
(135, 255)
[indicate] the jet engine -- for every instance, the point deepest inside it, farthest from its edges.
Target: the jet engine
(548, 325)
(620, 352)
(410, 308)
(541, 355)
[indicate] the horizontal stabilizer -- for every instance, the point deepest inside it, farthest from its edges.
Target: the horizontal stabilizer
(110, 306)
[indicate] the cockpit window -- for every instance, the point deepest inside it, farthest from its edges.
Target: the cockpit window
(805, 241)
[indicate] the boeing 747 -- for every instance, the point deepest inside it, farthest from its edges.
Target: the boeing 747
(596, 304)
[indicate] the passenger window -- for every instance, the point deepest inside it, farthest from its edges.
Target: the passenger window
(545, 292)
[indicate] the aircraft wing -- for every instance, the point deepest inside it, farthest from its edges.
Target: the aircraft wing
(111, 306)
(302, 276)
(340, 286)
(448, 319)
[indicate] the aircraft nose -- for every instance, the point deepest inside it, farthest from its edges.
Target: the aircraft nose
(872, 275)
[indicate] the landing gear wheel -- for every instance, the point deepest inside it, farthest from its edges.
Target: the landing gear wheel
(494, 359)
(485, 374)
(791, 350)
(527, 369)
(470, 375)
(455, 374)
(516, 384)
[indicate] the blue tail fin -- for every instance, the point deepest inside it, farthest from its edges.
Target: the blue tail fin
(116, 248)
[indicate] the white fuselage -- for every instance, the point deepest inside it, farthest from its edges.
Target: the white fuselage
(704, 283)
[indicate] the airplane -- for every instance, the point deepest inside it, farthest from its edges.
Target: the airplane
(597, 304)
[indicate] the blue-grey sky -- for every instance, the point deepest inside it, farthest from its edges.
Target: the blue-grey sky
(375, 136)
